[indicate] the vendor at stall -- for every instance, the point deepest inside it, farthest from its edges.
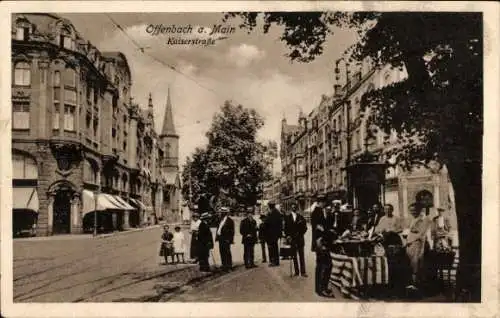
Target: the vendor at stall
(389, 222)
(357, 223)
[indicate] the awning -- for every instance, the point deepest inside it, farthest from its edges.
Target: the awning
(104, 202)
(117, 205)
(25, 198)
(125, 203)
(139, 203)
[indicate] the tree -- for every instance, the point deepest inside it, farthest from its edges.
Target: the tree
(437, 109)
(233, 164)
(193, 176)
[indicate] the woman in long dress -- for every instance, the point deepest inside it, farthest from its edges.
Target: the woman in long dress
(195, 223)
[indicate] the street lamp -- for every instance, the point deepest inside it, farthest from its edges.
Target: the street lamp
(348, 120)
(96, 196)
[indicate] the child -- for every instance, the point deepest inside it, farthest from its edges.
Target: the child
(167, 248)
(179, 244)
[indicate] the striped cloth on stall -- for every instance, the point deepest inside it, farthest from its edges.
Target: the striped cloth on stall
(351, 273)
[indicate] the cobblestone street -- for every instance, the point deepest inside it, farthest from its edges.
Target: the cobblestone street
(127, 268)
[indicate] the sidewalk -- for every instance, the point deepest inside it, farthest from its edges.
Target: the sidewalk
(91, 236)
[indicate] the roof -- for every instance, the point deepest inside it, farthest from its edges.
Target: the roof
(118, 56)
(168, 120)
(287, 129)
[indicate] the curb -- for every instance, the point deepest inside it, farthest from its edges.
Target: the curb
(139, 229)
(90, 236)
(128, 231)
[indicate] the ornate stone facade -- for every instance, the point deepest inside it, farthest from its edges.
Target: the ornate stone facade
(336, 133)
(78, 135)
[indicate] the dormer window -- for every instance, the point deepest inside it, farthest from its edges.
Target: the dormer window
(22, 32)
(65, 38)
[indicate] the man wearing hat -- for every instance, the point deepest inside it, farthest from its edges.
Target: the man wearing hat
(225, 237)
(248, 231)
(205, 242)
(321, 223)
(274, 229)
(295, 228)
(319, 218)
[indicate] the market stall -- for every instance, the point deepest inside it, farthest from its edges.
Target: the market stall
(359, 262)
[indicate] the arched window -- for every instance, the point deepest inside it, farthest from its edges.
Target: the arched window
(22, 74)
(24, 167)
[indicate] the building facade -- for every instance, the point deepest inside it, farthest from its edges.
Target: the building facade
(271, 190)
(316, 154)
(79, 142)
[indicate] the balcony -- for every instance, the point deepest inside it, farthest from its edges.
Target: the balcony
(298, 154)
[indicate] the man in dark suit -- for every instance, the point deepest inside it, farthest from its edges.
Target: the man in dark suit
(319, 218)
(324, 264)
(225, 237)
(248, 231)
(295, 228)
(274, 229)
(205, 242)
(322, 230)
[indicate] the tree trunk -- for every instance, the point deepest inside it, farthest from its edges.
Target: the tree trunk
(466, 179)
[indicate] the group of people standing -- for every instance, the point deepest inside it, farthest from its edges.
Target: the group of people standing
(328, 223)
(272, 228)
(421, 238)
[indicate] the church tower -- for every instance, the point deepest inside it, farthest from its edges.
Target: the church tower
(169, 141)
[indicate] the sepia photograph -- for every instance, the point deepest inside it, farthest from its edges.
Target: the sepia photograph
(317, 155)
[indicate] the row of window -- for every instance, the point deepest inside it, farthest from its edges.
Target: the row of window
(22, 77)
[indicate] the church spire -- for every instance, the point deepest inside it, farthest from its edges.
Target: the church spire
(168, 121)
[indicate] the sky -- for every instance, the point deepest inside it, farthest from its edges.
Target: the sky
(249, 69)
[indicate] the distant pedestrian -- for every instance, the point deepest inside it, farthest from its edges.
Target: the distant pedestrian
(225, 237)
(295, 228)
(179, 246)
(205, 242)
(195, 223)
(262, 237)
(273, 228)
(248, 231)
(167, 246)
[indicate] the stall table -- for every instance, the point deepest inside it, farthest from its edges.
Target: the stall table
(350, 273)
